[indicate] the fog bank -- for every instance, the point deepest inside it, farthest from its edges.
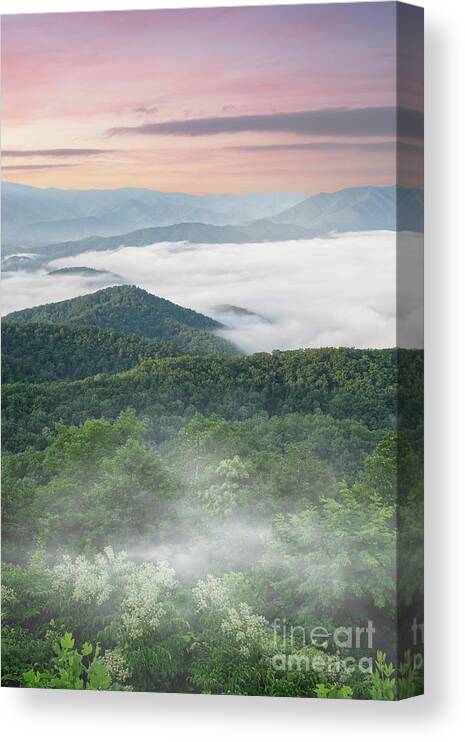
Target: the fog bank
(311, 293)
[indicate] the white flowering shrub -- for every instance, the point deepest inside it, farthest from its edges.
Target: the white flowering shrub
(211, 594)
(246, 629)
(9, 599)
(116, 664)
(130, 606)
(233, 654)
(89, 581)
(146, 595)
(140, 592)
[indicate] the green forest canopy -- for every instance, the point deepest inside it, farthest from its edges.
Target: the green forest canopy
(159, 514)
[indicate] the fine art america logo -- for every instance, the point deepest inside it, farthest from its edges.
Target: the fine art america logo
(302, 648)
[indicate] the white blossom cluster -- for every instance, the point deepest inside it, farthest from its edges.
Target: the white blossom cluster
(115, 662)
(144, 604)
(245, 628)
(143, 589)
(240, 625)
(92, 581)
(211, 594)
(9, 599)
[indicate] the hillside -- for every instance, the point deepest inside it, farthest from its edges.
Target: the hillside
(51, 352)
(343, 382)
(132, 311)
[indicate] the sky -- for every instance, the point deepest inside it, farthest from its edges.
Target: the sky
(226, 100)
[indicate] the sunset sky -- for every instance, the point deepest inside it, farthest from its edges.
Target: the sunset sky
(232, 100)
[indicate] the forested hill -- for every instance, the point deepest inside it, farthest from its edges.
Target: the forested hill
(140, 303)
(131, 310)
(345, 382)
(51, 352)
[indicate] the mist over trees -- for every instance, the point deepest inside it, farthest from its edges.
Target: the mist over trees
(185, 525)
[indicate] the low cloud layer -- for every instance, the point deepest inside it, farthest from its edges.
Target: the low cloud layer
(9, 168)
(311, 293)
(356, 122)
(391, 145)
(61, 152)
(146, 109)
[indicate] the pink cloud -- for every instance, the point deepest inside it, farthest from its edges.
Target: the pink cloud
(83, 73)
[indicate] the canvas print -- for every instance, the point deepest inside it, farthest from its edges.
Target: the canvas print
(212, 366)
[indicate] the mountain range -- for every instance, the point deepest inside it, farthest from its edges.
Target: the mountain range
(38, 219)
(358, 209)
(35, 216)
(40, 216)
(259, 231)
